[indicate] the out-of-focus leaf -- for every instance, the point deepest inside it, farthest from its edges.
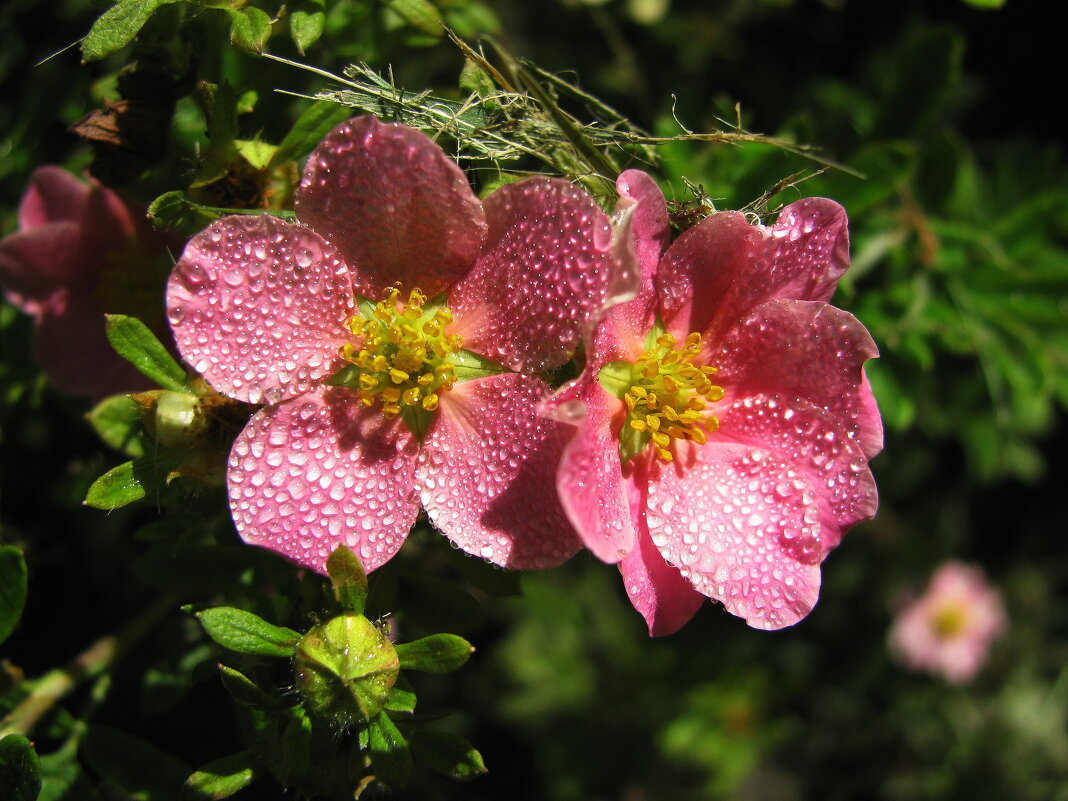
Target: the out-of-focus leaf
(193, 570)
(13, 585)
(246, 633)
(419, 14)
(117, 421)
(925, 71)
(258, 154)
(309, 129)
(20, 771)
(250, 28)
(135, 342)
(117, 27)
(220, 779)
(438, 653)
(134, 764)
(306, 22)
(448, 754)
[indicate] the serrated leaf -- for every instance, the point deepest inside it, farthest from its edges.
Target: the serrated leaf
(135, 765)
(13, 586)
(390, 756)
(117, 421)
(438, 653)
(132, 481)
(133, 340)
(117, 27)
(448, 754)
(348, 580)
(310, 128)
(250, 28)
(306, 22)
(419, 14)
(20, 771)
(220, 779)
(246, 633)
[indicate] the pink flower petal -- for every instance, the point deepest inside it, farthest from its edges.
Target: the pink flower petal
(260, 307)
(717, 515)
(818, 446)
(487, 472)
(719, 270)
(319, 471)
(807, 350)
(394, 205)
(589, 480)
(542, 277)
(37, 262)
(53, 195)
(658, 591)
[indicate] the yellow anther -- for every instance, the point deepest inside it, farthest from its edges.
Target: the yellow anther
(653, 422)
(411, 396)
(638, 425)
(430, 402)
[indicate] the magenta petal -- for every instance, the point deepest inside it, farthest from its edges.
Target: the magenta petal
(260, 307)
(719, 270)
(589, 480)
(728, 518)
(487, 472)
(53, 195)
(542, 277)
(319, 471)
(807, 350)
(821, 450)
(37, 262)
(658, 591)
(393, 204)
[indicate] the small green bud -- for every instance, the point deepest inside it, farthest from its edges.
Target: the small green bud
(345, 669)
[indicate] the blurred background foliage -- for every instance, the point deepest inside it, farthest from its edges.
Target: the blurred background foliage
(941, 113)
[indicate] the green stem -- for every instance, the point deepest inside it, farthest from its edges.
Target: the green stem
(98, 659)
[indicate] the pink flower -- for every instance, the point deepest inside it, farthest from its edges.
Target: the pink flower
(949, 629)
(432, 405)
(81, 251)
(724, 423)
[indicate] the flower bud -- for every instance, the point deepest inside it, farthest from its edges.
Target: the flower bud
(345, 669)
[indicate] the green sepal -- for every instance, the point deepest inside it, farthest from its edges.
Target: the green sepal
(116, 27)
(632, 442)
(220, 778)
(246, 633)
(250, 28)
(133, 340)
(402, 696)
(244, 690)
(390, 756)
(347, 579)
(418, 420)
(132, 481)
(347, 376)
(117, 421)
(13, 587)
(20, 770)
(470, 366)
(310, 128)
(306, 22)
(448, 754)
(616, 378)
(438, 653)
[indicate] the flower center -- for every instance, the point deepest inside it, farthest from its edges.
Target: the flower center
(666, 394)
(949, 620)
(403, 359)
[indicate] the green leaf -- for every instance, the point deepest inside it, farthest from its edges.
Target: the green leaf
(247, 633)
(448, 754)
(258, 154)
(13, 584)
(172, 210)
(986, 3)
(401, 696)
(220, 779)
(419, 14)
(117, 421)
(20, 772)
(390, 756)
(117, 27)
(244, 690)
(306, 22)
(438, 653)
(134, 764)
(348, 579)
(193, 569)
(132, 481)
(133, 340)
(926, 70)
(316, 122)
(250, 28)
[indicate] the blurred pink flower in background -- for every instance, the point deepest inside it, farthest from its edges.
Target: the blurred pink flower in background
(949, 629)
(723, 421)
(82, 251)
(435, 402)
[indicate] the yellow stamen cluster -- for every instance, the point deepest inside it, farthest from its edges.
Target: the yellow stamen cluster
(403, 353)
(949, 620)
(669, 394)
